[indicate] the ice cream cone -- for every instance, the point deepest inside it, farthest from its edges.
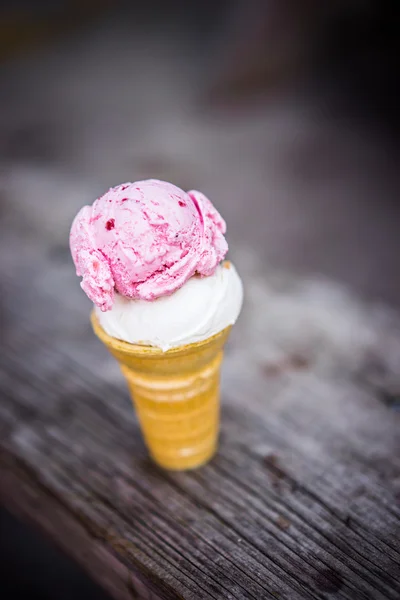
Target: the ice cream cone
(176, 396)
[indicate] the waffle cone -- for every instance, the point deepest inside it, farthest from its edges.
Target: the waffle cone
(176, 396)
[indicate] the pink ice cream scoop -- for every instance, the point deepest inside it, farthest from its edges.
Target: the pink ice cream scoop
(145, 240)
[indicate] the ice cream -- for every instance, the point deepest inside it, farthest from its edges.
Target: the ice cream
(151, 258)
(144, 240)
(202, 307)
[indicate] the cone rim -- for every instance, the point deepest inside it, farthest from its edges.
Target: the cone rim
(146, 350)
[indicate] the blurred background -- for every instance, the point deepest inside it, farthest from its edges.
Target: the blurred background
(284, 112)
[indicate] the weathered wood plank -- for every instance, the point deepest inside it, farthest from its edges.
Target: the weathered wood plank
(280, 511)
(30, 500)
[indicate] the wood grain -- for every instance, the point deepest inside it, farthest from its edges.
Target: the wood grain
(294, 506)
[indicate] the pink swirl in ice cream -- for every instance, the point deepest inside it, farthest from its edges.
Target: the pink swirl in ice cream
(145, 240)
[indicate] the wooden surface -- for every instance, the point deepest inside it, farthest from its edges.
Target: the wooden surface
(302, 500)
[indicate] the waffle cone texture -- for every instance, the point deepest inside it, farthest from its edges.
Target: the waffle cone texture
(176, 396)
